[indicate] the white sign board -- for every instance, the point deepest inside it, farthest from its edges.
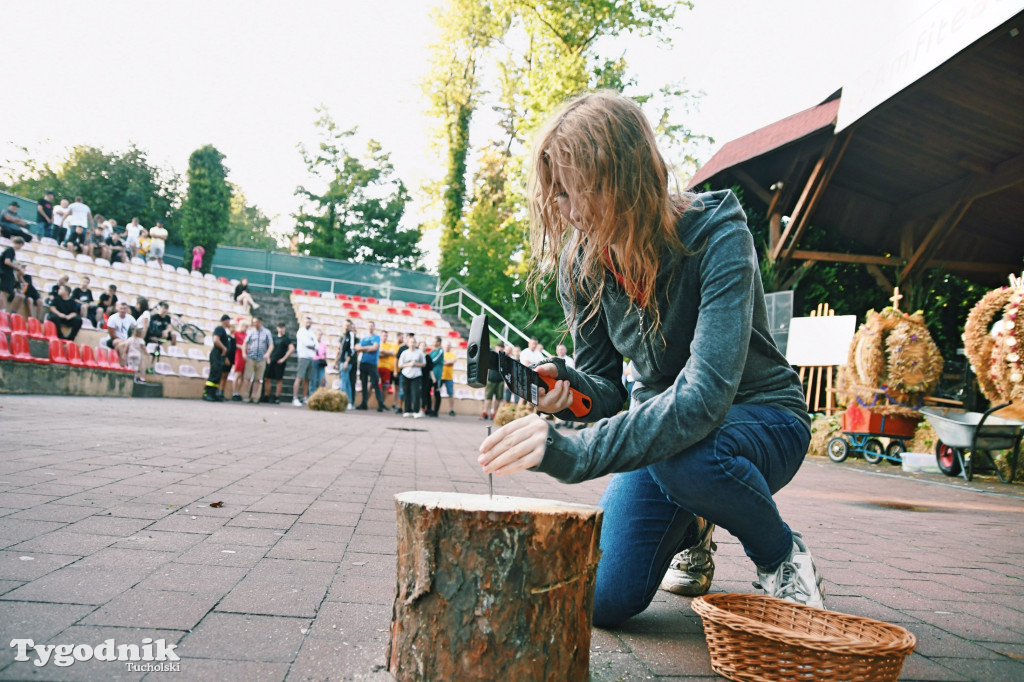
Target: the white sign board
(937, 34)
(820, 341)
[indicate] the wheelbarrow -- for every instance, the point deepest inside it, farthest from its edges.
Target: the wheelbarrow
(964, 437)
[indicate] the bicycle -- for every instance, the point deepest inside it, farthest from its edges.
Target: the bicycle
(187, 330)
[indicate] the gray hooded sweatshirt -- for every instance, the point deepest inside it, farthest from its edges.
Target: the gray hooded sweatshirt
(712, 350)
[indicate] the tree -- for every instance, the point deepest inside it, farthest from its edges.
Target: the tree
(357, 214)
(121, 185)
(205, 214)
(248, 225)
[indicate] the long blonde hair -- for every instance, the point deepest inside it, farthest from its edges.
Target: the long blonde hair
(604, 146)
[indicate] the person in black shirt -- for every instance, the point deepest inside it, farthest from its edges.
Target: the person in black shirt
(10, 274)
(160, 325)
(44, 208)
(76, 240)
(243, 296)
(33, 302)
(64, 313)
(347, 362)
(229, 359)
(115, 248)
(83, 297)
(221, 346)
(284, 346)
(108, 300)
(13, 225)
(402, 347)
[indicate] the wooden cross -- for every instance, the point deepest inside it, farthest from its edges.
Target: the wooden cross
(896, 298)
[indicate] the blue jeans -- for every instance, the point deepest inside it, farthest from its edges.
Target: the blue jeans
(728, 478)
(346, 386)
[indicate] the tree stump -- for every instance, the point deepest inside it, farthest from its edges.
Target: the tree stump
(493, 589)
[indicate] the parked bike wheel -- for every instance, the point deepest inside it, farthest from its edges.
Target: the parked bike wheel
(873, 450)
(837, 449)
(946, 458)
(192, 333)
(894, 453)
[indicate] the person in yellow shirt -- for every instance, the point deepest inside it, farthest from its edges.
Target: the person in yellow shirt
(386, 362)
(448, 376)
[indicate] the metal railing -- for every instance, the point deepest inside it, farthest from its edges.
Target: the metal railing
(454, 298)
(384, 290)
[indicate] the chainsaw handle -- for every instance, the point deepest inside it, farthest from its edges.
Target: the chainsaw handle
(581, 403)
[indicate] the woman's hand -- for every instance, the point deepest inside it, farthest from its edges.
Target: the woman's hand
(558, 398)
(515, 447)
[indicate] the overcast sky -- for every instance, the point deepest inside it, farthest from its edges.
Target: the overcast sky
(246, 76)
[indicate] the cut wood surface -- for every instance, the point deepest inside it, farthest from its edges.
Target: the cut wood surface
(495, 588)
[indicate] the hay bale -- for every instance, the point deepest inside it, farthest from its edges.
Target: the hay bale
(509, 413)
(327, 400)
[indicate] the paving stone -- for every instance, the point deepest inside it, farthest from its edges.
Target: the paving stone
(331, 659)
(13, 531)
(204, 670)
(263, 520)
(73, 585)
(66, 542)
(63, 513)
(160, 541)
(118, 557)
(373, 544)
(35, 621)
(108, 525)
(308, 550)
(320, 532)
(31, 565)
(181, 522)
(196, 578)
(145, 608)
(281, 587)
(245, 637)
(217, 554)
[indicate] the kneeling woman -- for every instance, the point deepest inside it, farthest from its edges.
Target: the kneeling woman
(717, 423)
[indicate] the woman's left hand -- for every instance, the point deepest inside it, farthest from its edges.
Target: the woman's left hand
(515, 447)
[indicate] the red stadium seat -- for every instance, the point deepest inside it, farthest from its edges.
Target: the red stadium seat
(88, 359)
(74, 354)
(35, 329)
(371, 299)
(57, 356)
(354, 313)
(5, 352)
(453, 334)
(20, 351)
(463, 344)
(50, 329)
(393, 311)
(358, 299)
(5, 322)
(406, 312)
(224, 280)
(103, 358)
(18, 325)
(430, 323)
(299, 292)
(314, 294)
(363, 306)
(346, 304)
(424, 306)
(410, 304)
(342, 297)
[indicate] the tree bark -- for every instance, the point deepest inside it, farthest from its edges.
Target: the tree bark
(493, 589)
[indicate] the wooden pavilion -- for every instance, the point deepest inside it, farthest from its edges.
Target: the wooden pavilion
(920, 162)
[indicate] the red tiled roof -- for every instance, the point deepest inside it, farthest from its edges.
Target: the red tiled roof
(766, 139)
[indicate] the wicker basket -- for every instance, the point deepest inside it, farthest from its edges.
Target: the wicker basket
(754, 637)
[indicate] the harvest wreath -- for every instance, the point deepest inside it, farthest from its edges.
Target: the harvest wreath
(995, 355)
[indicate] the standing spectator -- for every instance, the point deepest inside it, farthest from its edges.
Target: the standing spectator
(78, 216)
(369, 346)
(86, 304)
(44, 214)
(64, 313)
(230, 357)
(283, 349)
(243, 296)
(258, 345)
(107, 302)
(11, 272)
(492, 393)
(532, 355)
(402, 346)
(159, 328)
(136, 355)
(217, 354)
(319, 362)
(437, 367)
(132, 233)
(238, 355)
(386, 363)
(59, 211)
(346, 363)
(410, 365)
(197, 257)
(157, 242)
(428, 378)
(120, 328)
(13, 225)
(305, 343)
(448, 376)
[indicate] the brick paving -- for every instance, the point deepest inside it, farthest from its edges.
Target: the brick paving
(106, 531)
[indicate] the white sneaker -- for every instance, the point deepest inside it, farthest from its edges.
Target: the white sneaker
(407, 414)
(350, 407)
(796, 579)
(296, 402)
(418, 415)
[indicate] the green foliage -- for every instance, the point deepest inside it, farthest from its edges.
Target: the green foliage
(205, 213)
(248, 226)
(357, 214)
(121, 185)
